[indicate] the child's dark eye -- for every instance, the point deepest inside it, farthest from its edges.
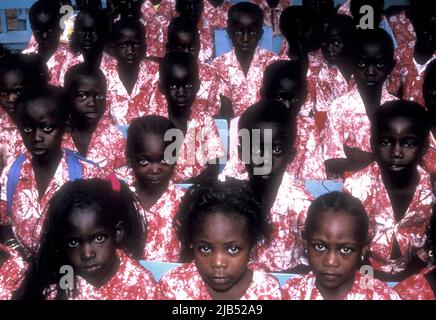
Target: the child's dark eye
(47, 129)
(143, 162)
(188, 85)
(164, 162)
(27, 130)
(99, 97)
(253, 32)
(82, 96)
(277, 150)
(385, 142)
(73, 244)
(100, 238)
(346, 250)
(380, 65)
(3, 93)
(205, 249)
(361, 65)
(233, 249)
(319, 247)
(410, 143)
(256, 150)
(172, 86)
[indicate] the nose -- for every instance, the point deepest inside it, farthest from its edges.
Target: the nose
(38, 136)
(181, 92)
(245, 36)
(397, 152)
(45, 35)
(91, 100)
(87, 252)
(155, 168)
(129, 48)
(331, 259)
(219, 261)
(12, 97)
(371, 70)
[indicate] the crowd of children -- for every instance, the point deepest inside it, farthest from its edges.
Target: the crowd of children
(104, 123)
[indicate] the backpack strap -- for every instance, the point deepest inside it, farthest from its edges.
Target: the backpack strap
(13, 177)
(74, 163)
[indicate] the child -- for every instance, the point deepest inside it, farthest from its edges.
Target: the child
(16, 75)
(219, 228)
(423, 285)
(31, 180)
(12, 270)
(93, 227)
(395, 191)
(241, 69)
(178, 84)
(149, 175)
(87, 41)
(429, 94)
(334, 74)
(131, 79)
(183, 36)
(272, 9)
(336, 244)
(346, 143)
(414, 57)
(281, 196)
(90, 132)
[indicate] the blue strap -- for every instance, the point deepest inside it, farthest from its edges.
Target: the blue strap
(74, 164)
(13, 177)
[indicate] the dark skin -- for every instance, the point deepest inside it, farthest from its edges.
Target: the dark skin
(46, 30)
(90, 42)
(216, 3)
(425, 45)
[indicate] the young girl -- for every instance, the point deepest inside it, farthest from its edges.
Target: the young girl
(93, 227)
(30, 181)
(150, 176)
(423, 285)
(90, 130)
(219, 226)
(336, 243)
(12, 270)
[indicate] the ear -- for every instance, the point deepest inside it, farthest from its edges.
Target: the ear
(119, 232)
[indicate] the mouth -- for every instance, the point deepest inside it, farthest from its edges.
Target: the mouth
(371, 83)
(330, 277)
(39, 151)
(396, 167)
(219, 280)
(92, 115)
(91, 268)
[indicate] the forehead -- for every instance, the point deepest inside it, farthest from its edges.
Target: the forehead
(40, 108)
(44, 18)
(11, 78)
(336, 227)
(244, 19)
(399, 125)
(87, 81)
(179, 72)
(285, 83)
(221, 228)
(84, 221)
(150, 142)
(128, 32)
(374, 50)
(184, 36)
(87, 21)
(277, 130)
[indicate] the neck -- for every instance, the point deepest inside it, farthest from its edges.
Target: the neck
(245, 58)
(337, 293)
(371, 98)
(266, 191)
(180, 120)
(47, 53)
(84, 126)
(400, 180)
(93, 58)
(149, 196)
(422, 54)
(49, 162)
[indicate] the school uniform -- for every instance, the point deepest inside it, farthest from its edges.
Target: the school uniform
(106, 148)
(402, 28)
(410, 231)
(11, 143)
(304, 288)
(242, 90)
(429, 159)
(27, 210)
(130, 282)
(271, 16)
(348, 124)
(186, 283)
(418, 286)
(12, 272)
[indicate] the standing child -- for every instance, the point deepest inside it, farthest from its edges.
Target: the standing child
(219, 228)
(30, 181)
(241, 69)
(92, 226)
(131, 79)
(336, 244)
(423, 285)
(267, 136)
(150, 177)
(90, 132)
(346, 135)
(395, 191)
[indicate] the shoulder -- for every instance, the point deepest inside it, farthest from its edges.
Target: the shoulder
(383, 292)
(265, 286)
(363, 179)
(294, 288)
(179, 283)
(135, 273)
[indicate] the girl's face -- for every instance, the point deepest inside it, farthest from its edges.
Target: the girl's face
(91, 246)
(89, 39)
(334, 252)
(333, 45)
(46, 30)
(222, 248)
(151, 169)
(89, 100)
(129, 48)
(245, 32)
(185, 42)
(11, 86)
(288, 91)
(41, 129)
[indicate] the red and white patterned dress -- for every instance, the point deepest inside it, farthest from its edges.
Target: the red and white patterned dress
(402, 28)
(130, 282)
(12, 273)
(28, 210)
(271, 16)
(125, 107)
(242, 90)
(429, 159)
(410, 231)
(11, 143)
(304, 288)
(106, 148)
(348, 124)
(185, 283)
(416, 287)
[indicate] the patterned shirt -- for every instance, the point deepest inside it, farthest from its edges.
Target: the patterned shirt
(130, 282)
(11, 143)
(410, 231)
(242, 90)
(12, 273)
(185, 283)
(272, 15)
(417, 287)
(304, 288)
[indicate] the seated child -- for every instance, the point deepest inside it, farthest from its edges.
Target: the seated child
(429, 94)
(395, 191)
(16, 75)
(31, 180)
(90, 132)
(131, 79)
(266, 155)
(178, 84)
(183, 36)
(346, 135)
(414, 57)
(12, 270)
(241, 69)
(149, 175)
(93, 227)
(87, 42)
(422, 286)
(219, 228)
(336, 244)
